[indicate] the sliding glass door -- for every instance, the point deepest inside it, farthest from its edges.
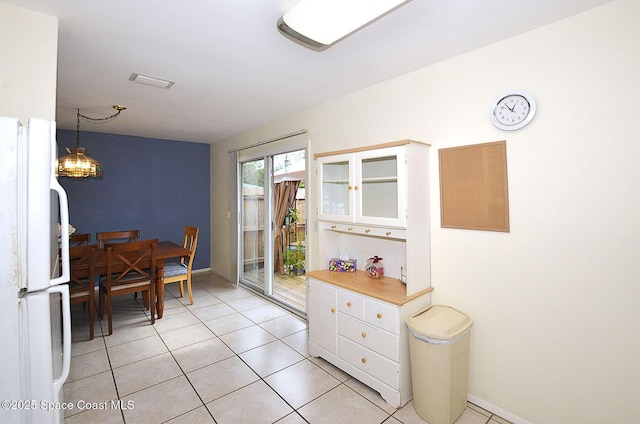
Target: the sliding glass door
(273, 234)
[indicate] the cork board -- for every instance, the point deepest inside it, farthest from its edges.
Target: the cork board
(473, 187)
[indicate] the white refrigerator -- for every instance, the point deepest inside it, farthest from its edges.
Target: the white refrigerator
(35, 326)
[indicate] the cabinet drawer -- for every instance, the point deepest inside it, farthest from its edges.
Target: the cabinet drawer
(373, 364)
(382, 315)
(386, 344)
(321, 293)
(351, 303)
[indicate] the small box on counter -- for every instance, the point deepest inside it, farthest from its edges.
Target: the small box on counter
(341, 265)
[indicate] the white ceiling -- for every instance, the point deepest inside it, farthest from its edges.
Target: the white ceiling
(233, 70)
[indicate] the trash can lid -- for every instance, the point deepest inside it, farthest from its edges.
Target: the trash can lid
(442, 322)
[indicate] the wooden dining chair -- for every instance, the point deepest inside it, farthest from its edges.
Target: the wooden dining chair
(180, 272)
(130, 269)
(112, 237)
(79, 239)
(82, 260)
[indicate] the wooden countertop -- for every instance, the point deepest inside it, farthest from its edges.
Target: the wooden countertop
(386, 289)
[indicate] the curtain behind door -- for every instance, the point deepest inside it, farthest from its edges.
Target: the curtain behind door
(284, 195)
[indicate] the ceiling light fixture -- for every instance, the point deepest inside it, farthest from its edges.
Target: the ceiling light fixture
(318, 24)
(77, 164)
(152, 81)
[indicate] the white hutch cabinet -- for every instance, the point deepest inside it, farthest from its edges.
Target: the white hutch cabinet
(372, 201)
(365, 187)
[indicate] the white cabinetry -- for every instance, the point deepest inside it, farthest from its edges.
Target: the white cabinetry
(363, 336)
(322, 305)
(372, 201)
(366, 187)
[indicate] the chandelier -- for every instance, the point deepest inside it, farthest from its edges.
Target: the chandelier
(77, 164)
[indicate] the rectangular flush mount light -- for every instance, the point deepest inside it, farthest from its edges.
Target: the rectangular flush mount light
(152, 81)
(320, 23)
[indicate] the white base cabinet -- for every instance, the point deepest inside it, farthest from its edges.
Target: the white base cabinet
(364, 336)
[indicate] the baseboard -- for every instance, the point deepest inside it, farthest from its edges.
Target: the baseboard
(201, 270)
(220, 274)
(496, 410)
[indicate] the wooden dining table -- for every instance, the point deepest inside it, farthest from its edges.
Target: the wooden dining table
(165, 250)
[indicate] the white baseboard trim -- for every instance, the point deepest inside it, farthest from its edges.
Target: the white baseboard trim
(496, 410)
(201, 270)
(220, 274)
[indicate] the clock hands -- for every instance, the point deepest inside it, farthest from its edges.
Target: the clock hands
(510, 108)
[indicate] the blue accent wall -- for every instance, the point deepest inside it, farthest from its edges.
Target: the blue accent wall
(156, 186)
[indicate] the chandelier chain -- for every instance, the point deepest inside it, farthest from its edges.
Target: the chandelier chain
(118, 109)
(99, 119)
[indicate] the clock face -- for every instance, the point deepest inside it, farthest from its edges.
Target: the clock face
(513, 111)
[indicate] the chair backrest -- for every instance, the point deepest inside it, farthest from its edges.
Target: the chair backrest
(83, 261)
(131, 262)
(112, 237)
(79, 239)
(190, 242)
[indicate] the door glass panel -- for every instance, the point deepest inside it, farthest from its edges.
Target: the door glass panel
(253, 219)
(379, 187)
(289, 215)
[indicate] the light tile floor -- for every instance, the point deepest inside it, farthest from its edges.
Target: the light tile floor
(231, 357)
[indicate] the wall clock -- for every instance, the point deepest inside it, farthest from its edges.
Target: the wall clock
(513, 110)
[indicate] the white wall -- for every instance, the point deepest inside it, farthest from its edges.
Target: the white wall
(28, 64)
(554, 302)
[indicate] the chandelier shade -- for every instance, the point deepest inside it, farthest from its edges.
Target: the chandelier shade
(77, 163)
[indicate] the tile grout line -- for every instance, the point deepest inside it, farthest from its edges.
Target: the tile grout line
(294, 410)
(261, 378)
(204, 289)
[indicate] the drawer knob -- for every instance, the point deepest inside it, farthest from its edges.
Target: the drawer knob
(357, 188)
(333, 310)
(348, 304)
(388, 233)
(333, 227)
(350, 229)
(367, 231)
(364, 335)
(364, 360)
(350, 188)
(379, 316)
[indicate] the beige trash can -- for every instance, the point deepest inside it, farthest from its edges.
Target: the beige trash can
(439, 350)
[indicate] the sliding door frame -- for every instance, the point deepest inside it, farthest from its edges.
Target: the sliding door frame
(266, 152)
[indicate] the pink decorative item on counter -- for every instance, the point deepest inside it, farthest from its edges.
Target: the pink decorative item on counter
(374, 267)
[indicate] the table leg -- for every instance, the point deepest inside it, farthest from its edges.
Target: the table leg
(160, 291)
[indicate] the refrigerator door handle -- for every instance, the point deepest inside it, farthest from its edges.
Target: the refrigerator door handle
(64, 224)
(63, 289)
